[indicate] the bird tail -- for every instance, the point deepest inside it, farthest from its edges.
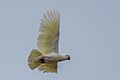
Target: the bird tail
(33, 59)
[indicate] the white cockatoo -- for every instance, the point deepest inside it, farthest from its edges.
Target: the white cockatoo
(46, 56)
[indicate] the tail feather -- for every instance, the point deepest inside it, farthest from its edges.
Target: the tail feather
(33, 59)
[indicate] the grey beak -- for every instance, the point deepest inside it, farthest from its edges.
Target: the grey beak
(68, 58)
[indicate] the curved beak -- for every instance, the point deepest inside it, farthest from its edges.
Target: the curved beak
(68, 58)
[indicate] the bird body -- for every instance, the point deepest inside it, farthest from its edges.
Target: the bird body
(55, 57)
(46, 56)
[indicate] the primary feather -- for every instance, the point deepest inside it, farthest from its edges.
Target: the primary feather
(49, 29)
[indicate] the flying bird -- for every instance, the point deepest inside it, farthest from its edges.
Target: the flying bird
(46, 56)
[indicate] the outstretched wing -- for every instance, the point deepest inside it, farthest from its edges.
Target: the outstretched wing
(49, 29)
(48, 67)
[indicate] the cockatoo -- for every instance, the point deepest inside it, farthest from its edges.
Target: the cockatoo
(46, 56)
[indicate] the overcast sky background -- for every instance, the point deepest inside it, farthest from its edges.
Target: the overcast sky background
(90, 33)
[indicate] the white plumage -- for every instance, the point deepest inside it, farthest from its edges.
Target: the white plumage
(47, 55)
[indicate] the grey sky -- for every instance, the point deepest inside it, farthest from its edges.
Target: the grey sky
(90, 33)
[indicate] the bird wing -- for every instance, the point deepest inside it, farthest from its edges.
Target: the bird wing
(49, 29)
(48, 67)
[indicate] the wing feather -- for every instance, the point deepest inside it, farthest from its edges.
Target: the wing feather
(49, 29)
(48, 67)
